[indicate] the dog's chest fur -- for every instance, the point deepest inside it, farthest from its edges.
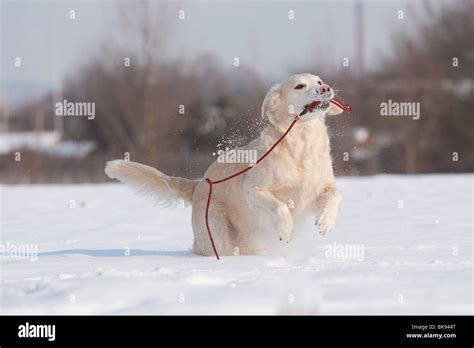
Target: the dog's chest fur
(304, 162)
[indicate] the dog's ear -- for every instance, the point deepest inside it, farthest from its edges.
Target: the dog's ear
(271, 101)
(334, 110)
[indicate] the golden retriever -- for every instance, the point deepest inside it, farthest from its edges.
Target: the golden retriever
(264, 203)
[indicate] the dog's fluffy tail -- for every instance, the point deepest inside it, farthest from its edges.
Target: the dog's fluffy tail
(149, 181)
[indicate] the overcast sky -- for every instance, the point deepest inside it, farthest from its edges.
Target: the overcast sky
(259, 33)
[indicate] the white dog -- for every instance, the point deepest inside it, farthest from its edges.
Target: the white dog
(294, 180)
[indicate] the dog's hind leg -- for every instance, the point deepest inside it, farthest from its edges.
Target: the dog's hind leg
(221, 229)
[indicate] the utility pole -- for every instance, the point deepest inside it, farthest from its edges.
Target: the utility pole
(58, 93)
(360, 37)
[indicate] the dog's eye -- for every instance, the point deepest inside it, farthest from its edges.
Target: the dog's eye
(300, 86)
(320, 83)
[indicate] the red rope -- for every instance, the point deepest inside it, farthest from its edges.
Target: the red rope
(339, 103)
(307, 108)
(207, 217)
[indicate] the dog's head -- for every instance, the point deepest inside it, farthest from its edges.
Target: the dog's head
(292, 96)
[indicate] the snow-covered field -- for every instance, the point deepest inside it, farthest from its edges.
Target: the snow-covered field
(403, 245)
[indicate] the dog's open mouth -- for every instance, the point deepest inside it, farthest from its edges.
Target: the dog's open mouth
(317, 105)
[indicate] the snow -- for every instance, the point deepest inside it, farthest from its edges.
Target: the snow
(104, 250)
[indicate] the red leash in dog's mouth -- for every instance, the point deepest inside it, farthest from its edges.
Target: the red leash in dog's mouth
(339, 103)
(308, 108)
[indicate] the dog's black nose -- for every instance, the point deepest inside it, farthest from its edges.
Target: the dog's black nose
(324, 89)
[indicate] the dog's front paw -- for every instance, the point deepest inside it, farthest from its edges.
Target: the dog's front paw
(285, 237)
(285, 226)
(285, 234)
(326, 221)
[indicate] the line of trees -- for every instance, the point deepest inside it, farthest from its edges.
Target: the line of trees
(173, 114)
